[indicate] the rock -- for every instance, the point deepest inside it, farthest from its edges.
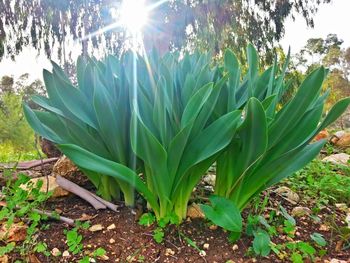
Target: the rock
(17, 232)
(194, 211)
(300, 211)
(339, 158)
(65, 254)
(111, 241)
(57, 191)
(334, 260)
(234, 247)
(209, 188)
(206, 246)
(342, 207)
(96, 228)
(324, 228)
(4, 259)
(104, 257)
(202, 253)
(213, 227)
(169, 252)
(347, 219)
(55, 252)
(287, 193)
(209, 179)
(111, 227)
(339, 134)
(321, 135)
(64, 167)
(344, 141)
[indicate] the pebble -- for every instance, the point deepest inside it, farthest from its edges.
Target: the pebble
(95, 228)
(300, 211)
(206, 246)
(104, 257)
(112, 226)
(341, 206)
(234, 247)
(65, 254)
(324, 228)
(289, 195)
(213, 227)
(111, 241)
(169, 252)
(202, 253)
(55, 252)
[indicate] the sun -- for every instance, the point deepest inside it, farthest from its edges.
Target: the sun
(133, 15)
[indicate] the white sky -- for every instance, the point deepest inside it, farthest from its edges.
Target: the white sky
(331, 18)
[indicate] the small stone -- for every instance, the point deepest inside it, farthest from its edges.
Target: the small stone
(347, 220)
(58, 211)
(57, 191)
(209, 179)
(342, 207)
(334, 260)
(4, 259)
(64, 167)
(202, 253)
(104, 257)
(92, 260)
(65, 254)
(111, 241)
(288, 194)
(194, 211)
(95, 228)
(15, 233)
(169, 252)
(324, 228)
(213, 227)
(339, 158)
(111, 227)
(344, 141)
(209, 188)
(300, 211)
(234, 247)
(206, 246)
(55, 252)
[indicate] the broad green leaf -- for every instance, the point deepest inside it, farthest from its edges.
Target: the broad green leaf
(223, 213)
(261, 243)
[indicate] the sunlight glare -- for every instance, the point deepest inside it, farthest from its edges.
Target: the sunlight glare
(134, 15)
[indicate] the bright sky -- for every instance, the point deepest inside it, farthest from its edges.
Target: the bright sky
(331, 18)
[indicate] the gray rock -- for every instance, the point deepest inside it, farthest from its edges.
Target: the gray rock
(339, 158)
(300, 211)
(288, 194)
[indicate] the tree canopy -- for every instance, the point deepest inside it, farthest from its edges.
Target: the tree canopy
(215, 24)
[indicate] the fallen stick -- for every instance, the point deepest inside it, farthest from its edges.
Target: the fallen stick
(110, 205)
(27, 165)
(83, 193)
(66, 220)
(79, 191)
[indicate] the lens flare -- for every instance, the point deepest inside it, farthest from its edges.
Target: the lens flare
(134, 15)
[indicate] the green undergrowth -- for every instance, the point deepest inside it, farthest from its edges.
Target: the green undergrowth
(322, 183)
(9, 153)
